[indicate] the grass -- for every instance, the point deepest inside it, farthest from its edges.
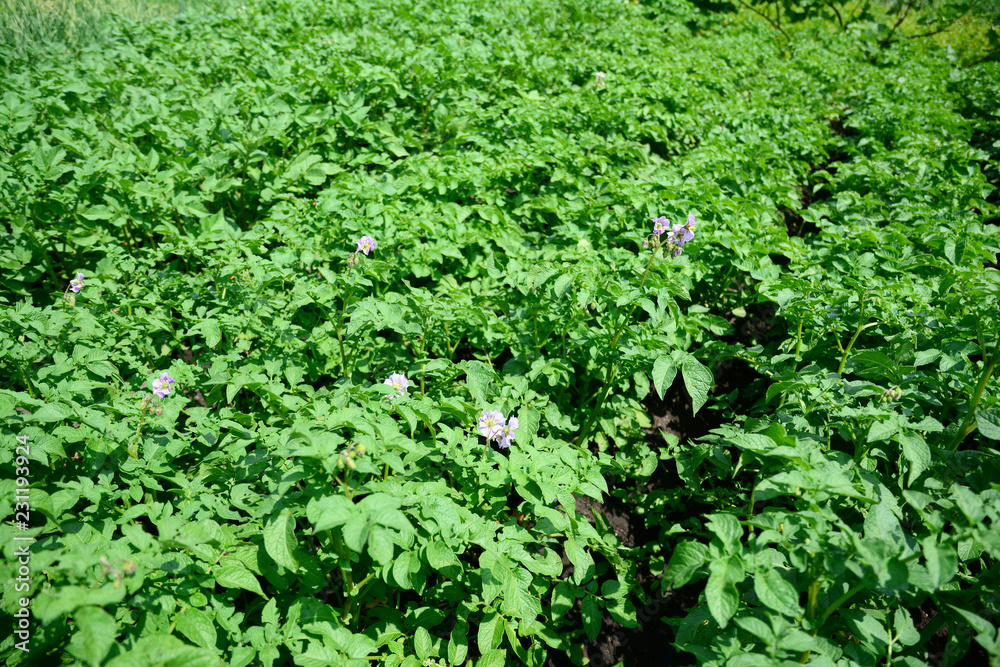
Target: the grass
(24, 23)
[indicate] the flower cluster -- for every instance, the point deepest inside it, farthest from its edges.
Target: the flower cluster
(399, 384)
(118, 571)
(893, 393)
(599, 79)
(494, 426)
(349, 455)
(677, 235)
(161, 385)
(77, 284)
(365, 245)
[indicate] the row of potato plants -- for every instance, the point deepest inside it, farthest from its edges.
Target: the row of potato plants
(276, 211)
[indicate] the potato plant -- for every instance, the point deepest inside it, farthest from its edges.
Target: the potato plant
(329, 328)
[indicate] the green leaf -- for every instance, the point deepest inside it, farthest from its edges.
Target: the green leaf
(329, 512)
(380, 545)
(458, 643)
(95, 635)
(727, 528)
(165, 651)
(776, 592)
(528, 422)
(720, 591)
(881, 431)
(562, 285)
(280, 542)
(493, 658)
(941, 561)
(903, 626)
(988, 422)
(664, 372)
(592, 616)
(518, 600)
(583, 562)
(494, 270)
(757, 628)
(50, 412)
(562, 600)
(98, 212)
(443, 559)
(491, 631)
(232, 576)
(698, 381)
(422, 643)
(867, 628)
(883, 524)
(916, 451)
(685, 560)
(212, 333)
(356, 532)
(197, 626)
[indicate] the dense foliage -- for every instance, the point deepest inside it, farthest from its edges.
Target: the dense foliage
(224, 232)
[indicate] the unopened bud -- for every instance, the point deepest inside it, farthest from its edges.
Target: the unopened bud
(893, 393)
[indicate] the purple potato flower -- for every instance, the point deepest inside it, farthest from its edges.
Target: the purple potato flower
(660, 225)
(399, 383)
(680, 234)
(507, 433)
(161, 385)
(366, 244)
(76, 284)
(491, 424)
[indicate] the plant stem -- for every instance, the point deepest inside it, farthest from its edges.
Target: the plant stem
(861, 327)
(340, 330)
(776, 26)
(134, 449)
(27, 382)
(612, 369)
(967, 426)
(839, 602)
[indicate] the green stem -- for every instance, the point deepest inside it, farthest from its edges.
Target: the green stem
(134, 449)
(611, 370)
(838, 603)
(753, 492)
(351, 594)
(534, 322)
(340, 330)
(967, 425)
(27, 382)
(861, 327)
